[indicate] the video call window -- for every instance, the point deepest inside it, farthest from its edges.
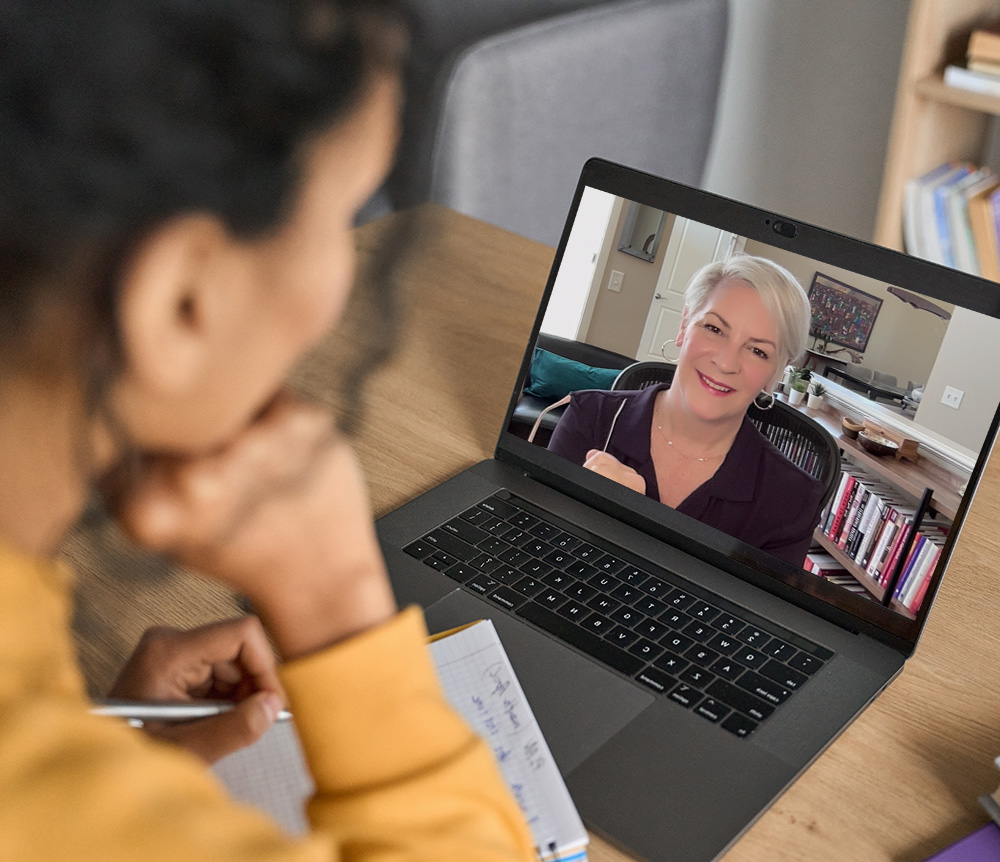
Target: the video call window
(896, 381)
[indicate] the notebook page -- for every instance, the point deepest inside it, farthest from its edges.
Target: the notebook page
(480, 684)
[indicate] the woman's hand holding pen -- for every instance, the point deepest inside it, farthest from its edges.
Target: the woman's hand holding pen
(230, 660)
(611, 468)
(281, 515)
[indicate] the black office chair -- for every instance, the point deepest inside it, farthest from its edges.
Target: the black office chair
(802, 440)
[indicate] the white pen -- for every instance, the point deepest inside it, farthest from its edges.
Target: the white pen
(138, 711)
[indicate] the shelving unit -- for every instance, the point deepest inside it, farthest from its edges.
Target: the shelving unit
(932, 123)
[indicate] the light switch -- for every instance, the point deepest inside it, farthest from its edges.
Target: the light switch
(615, 282)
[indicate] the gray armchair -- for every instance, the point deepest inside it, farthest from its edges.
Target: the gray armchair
(507, 99)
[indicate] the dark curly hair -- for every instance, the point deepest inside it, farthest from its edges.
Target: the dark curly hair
(116, 115)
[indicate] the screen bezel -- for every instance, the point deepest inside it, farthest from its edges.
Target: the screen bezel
(706, 543)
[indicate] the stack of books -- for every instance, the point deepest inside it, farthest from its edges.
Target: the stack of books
(981, 73)
(869, 521)
(951, 216)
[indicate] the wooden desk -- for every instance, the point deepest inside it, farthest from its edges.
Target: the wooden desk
(899, 784)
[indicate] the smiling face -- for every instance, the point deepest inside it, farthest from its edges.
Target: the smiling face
(729, 352)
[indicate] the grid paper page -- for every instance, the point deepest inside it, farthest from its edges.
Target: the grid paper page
(480, 684)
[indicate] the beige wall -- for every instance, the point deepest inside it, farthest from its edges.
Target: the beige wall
(969, 359)
(618, 319)
(904, 341)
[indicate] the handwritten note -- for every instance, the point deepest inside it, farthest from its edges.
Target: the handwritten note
(480, 683)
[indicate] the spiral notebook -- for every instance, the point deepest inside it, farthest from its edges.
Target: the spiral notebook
(479, 681)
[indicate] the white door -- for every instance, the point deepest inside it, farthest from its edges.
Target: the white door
(690, 247)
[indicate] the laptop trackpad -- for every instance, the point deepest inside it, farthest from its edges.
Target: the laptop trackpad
(584, 710)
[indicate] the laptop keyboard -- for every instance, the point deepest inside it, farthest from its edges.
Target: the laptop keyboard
(722, 662)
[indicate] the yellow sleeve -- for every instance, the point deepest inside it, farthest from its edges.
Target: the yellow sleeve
(399, 774)
(76, 786)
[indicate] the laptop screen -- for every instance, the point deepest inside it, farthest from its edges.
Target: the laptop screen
(842, 471)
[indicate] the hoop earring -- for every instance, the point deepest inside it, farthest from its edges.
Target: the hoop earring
(665, 343)
(763, 403)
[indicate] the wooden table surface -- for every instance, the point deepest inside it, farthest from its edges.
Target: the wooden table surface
(899, 784)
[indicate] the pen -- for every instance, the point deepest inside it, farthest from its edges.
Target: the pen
(136, 712)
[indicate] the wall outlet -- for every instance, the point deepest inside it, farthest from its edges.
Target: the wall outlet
(952, 397)
(615, 282)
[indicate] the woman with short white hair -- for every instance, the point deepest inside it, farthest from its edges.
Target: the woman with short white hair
(688, 443)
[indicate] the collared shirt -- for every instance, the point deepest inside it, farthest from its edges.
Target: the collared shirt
(757, 495)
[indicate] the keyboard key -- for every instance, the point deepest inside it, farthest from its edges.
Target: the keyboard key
(558, 580)
(544, 531)
(583, 640)
(419, 549)
(696, 676)
(680, 601)
(499, 508)
(482, 584)
(739, 699)
(480, 517)
(674, 619)
(588, 553)
(727, 668)
(780, 650)
(514, 557)
(597, 623)
(754, 637)
(498, 528)
(703, 611)
(685, 695)
(621, 636)
(461, 572)
(805, 663)
(677, 642)
(574, 611)
(566, 542)
(657, 680)
(627, 616)
(582, 570)
(557, 558)
(464, 530)
(528, 586)
(645, 649)
(701, 655)
(633, 576)
(729, 625)
(485, 563)
(492, 545)
(649, 606)
(626, 593)
(507, 575)
(536, 568)
(523, 520)
(605, 583)
(508, 598)
(656, 588)
(750, 657)
(699, 631)
(739, 725)
(724, 643)
(651, 629)
(550, 598)
(671, 662)
(610, 565)
(783, 674)
(579, 591)
(604, 604)
(518, 537)
(440, 560)
(712, 710)
(764, 688)
(536, 547)
(451, 545)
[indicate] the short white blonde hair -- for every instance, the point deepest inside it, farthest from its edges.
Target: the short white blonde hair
(784, 299)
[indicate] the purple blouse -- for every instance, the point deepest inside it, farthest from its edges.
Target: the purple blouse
(757, 495)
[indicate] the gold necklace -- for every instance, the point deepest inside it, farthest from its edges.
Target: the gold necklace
(670, 443)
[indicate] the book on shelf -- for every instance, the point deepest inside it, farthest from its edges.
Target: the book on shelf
(923, 214)
(984, 207)
(984, 44)
(971, 80)
(961, 244)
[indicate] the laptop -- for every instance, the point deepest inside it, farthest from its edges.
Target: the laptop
(683, 677)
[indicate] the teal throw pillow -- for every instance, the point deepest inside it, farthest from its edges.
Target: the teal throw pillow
(553, 376)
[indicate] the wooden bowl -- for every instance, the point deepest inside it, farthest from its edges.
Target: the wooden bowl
(877, 445)
(851, 427)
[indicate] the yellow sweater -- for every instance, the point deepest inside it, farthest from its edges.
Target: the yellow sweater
(399, 776)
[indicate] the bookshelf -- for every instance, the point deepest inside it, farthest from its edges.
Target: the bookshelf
(932, 123)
